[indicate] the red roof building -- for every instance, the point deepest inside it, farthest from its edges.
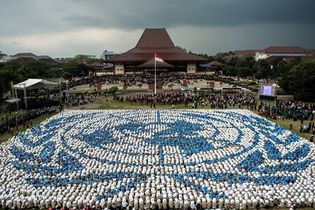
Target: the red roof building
(25, 56)
(157, 40)
(246, 52)
(285, 52)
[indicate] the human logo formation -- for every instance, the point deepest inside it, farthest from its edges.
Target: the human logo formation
(148, 159)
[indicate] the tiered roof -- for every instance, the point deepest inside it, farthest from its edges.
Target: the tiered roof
(158, 41)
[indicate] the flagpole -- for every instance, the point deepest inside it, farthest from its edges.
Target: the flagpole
(154, 74)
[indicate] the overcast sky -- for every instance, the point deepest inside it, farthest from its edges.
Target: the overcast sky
(64, 28)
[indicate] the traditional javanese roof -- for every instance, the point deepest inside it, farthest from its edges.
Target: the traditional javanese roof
(158, 41)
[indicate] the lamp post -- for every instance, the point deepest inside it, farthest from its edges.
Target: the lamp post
(154, 74)
(25, 97)
(14, 95)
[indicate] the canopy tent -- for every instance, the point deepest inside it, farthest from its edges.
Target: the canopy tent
(208, 65)
(34, 84)
(184, 88)
(31, 84)
(212, 65)
(150, 64)
(13, 100)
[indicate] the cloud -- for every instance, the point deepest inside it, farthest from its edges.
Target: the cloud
(62, 28)
(141, 13)
(70, 43)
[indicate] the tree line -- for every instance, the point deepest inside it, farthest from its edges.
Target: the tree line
(19, 70)
(297, 77)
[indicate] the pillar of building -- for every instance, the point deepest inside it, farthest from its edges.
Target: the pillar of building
(191, 68)
(119, 69)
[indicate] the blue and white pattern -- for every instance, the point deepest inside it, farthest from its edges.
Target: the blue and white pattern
(157, 159)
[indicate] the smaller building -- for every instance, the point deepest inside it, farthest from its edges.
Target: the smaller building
(212, 67)
(2, 54)
(85, 58)
(46, 59)
(285, 52)
(96, 69)
(24, 56)
(4, 58)
(107, 55)
(63, 60)
(246, 52)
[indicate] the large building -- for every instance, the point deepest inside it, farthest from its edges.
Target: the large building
(141, 58)
(285, 52)
(25, 56)
(106, 55)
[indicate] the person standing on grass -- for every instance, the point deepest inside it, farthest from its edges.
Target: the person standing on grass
(309, 127)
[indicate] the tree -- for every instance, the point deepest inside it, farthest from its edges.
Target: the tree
(245, 61)
(83, 69)
(282, 69)
(113, 89)
(262, 70)
(75, 68)
(300, 81)
(244, 72)
(229, 70)
(6, 76)
(19, 70)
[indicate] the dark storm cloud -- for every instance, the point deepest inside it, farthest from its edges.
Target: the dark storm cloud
(43, 15)
(63, 27)
(139, 13)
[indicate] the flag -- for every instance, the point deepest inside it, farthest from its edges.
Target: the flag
(158, 59)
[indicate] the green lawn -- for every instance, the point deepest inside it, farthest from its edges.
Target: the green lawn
(36, 121)
(296, 126)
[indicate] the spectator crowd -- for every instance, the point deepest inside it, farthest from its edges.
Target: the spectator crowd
(291, 110)
(204, 100)
(11, 122)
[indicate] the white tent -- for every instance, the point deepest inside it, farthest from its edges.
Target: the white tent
(31, 84)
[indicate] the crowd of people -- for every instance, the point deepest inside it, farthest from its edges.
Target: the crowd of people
(204, 100)
(292, 110)
(73, 100)
(133, 79)
(12, 121)
(157, 159)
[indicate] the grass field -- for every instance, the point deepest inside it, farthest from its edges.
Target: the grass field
(36, 121)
